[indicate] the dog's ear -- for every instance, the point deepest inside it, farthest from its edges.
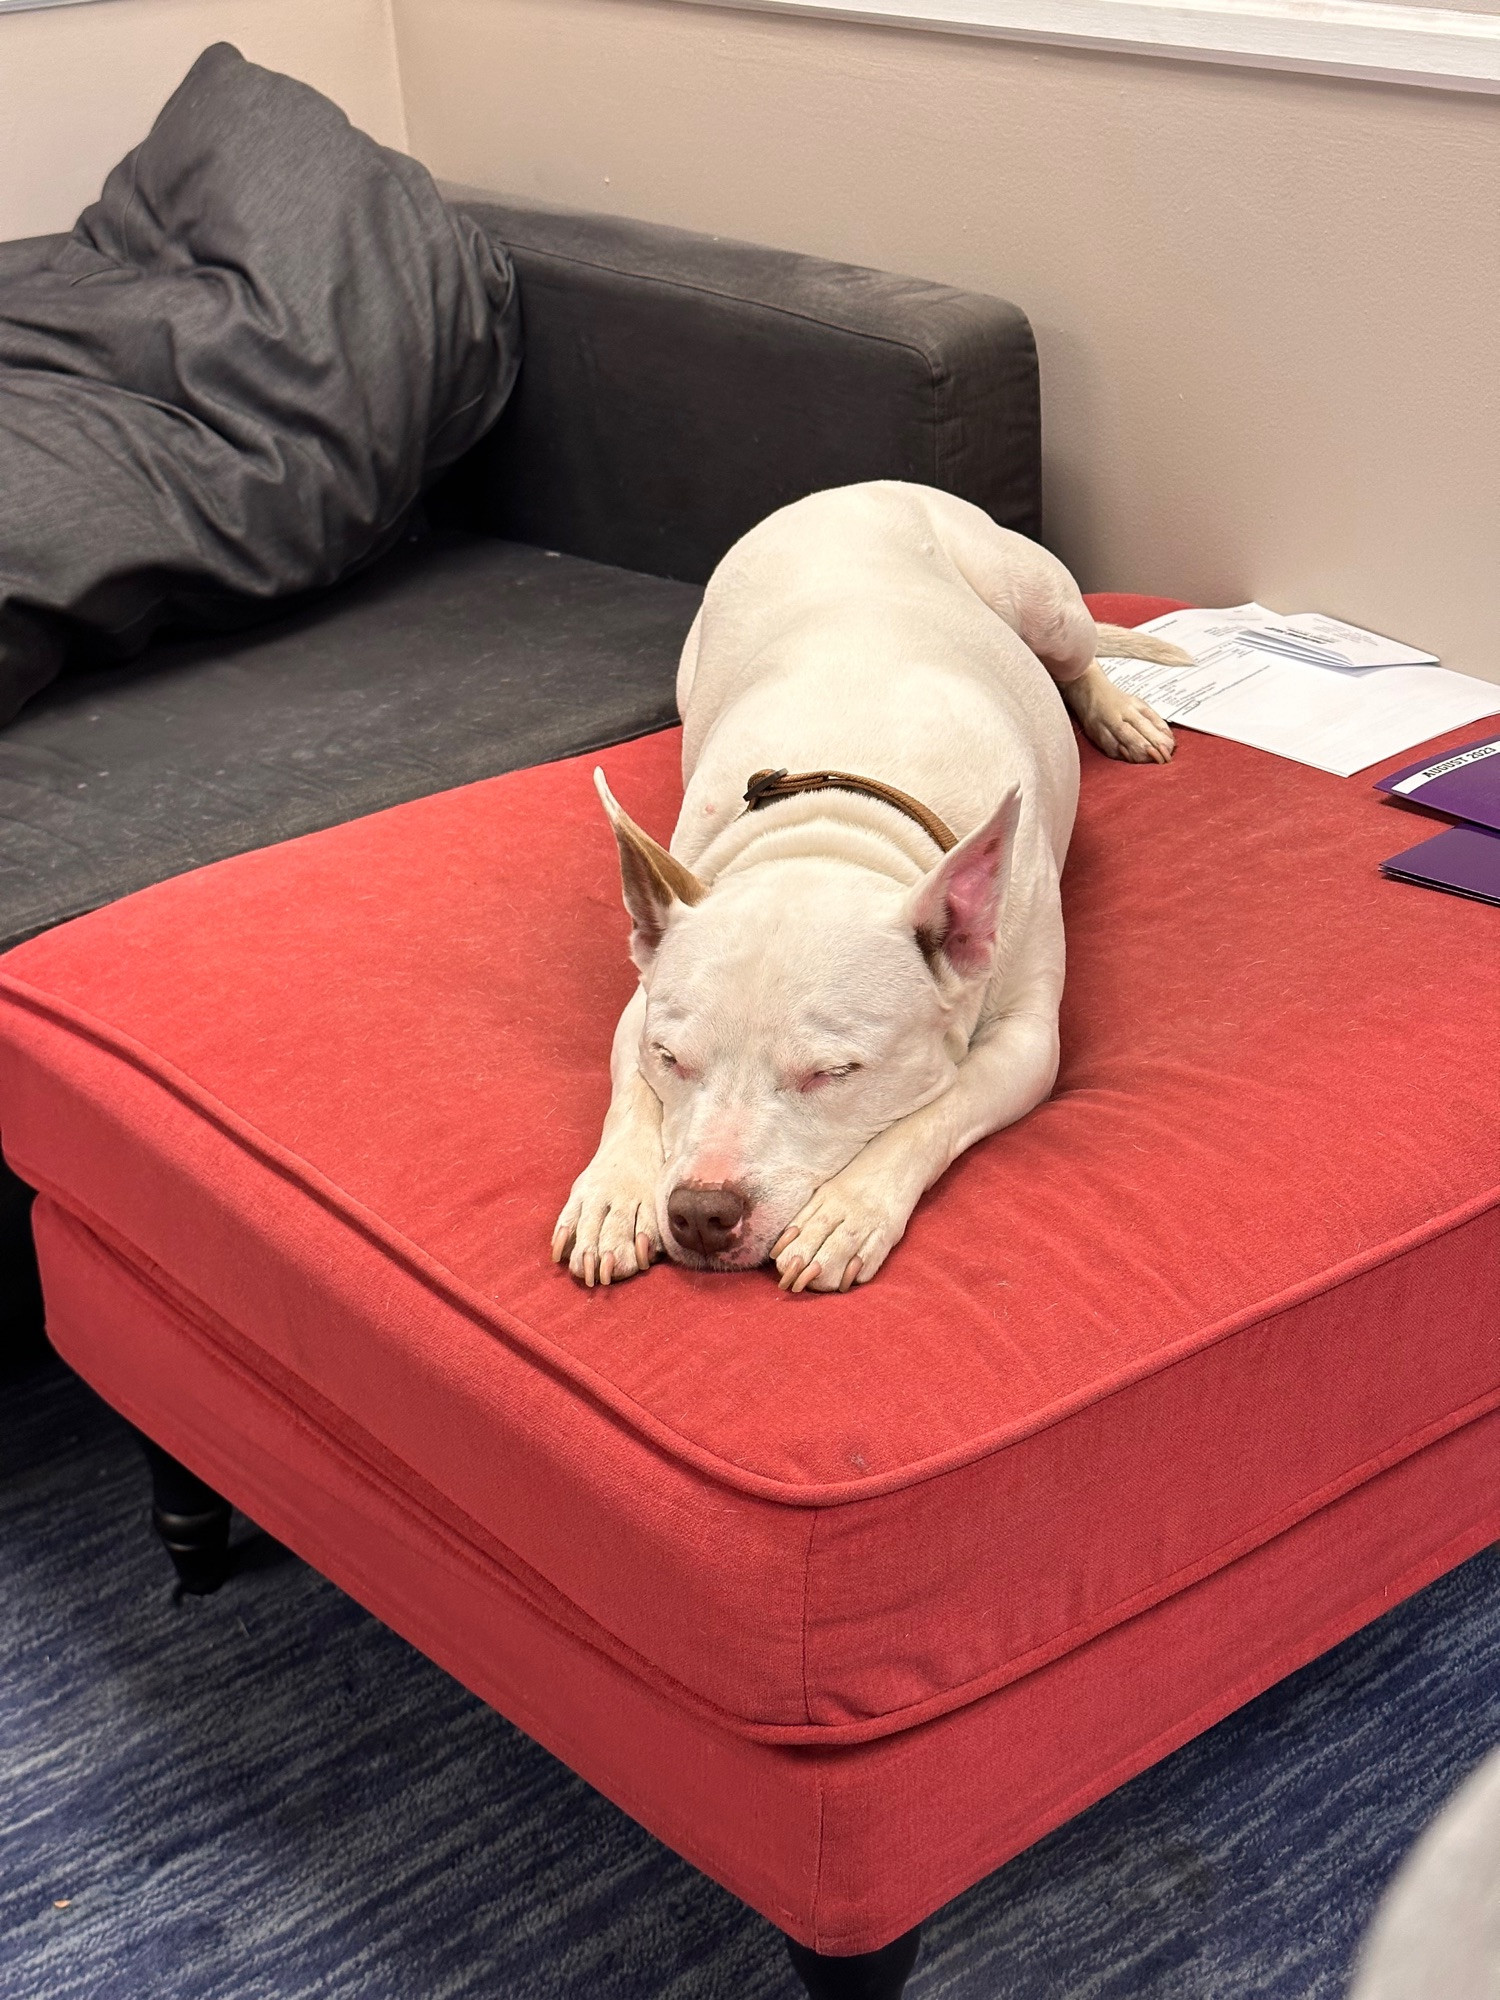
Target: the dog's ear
(653, 879)
(956, 910)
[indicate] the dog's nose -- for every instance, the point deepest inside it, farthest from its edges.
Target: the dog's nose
(705, 1219)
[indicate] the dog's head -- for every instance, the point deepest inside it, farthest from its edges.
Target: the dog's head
(793, 1012)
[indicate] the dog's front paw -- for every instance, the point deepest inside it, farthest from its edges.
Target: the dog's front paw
(607, 1229)
(844, 1234)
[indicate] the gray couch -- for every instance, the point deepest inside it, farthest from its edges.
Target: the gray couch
(675, 389)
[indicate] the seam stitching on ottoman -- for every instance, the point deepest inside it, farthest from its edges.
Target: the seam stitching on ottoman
(812, 1528)
(818, 1851)
(386, 1240)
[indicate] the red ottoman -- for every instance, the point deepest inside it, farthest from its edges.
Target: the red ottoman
(848, 1599)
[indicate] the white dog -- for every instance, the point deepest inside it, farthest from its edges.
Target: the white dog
(845, 983)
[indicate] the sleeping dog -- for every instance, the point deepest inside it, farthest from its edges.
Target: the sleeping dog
(850, 972)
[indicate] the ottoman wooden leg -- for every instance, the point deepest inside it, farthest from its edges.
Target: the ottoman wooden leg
(191, 1519)
(874, 1975)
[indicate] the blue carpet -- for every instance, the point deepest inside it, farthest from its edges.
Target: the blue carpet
(266, 1795)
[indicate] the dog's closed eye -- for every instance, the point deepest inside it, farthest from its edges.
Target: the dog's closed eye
(667, 1060)
(818, 1077)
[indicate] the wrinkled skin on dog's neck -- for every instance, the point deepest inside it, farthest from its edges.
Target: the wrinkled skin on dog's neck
(791, 1016)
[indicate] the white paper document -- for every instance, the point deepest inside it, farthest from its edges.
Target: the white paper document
(1306, 687)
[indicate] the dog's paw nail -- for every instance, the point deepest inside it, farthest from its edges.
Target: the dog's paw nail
(590, 1268)
(606, 1267)
(851, 1274)
(643, 1251)
(813, 1270)
(789, 1275)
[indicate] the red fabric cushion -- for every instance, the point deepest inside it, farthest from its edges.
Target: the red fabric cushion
(1112, 607)
(327, 1099)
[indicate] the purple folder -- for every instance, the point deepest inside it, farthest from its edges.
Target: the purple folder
(1465, 859)
(1464, 783)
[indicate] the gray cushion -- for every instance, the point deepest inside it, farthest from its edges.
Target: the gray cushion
(456, 657)
(233, 380)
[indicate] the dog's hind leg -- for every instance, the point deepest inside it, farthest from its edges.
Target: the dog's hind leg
(608, 1229)
(1119, 724)
(1037, 597)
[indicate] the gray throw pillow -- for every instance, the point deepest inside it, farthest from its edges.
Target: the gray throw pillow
(232, 382)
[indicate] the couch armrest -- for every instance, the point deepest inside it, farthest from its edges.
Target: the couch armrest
(677, 388)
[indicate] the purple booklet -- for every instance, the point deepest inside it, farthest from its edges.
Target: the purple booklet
(1464, 783)
(1465, 859)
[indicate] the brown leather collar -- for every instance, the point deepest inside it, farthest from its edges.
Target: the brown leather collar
(767, 786)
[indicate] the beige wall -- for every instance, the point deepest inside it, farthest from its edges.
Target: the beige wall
(1267, 305)
(79, 86)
